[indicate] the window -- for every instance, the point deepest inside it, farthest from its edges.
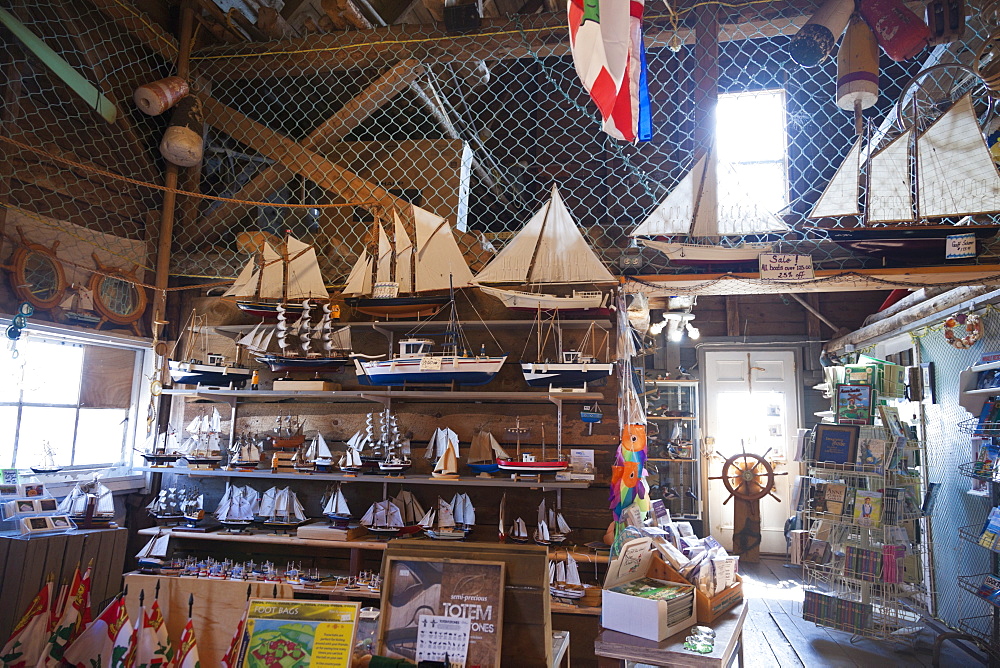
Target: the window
(751, 136)
(72, 401)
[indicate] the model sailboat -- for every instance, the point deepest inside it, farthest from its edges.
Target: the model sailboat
(564, 578)
(410, 510)
(350, 462)
(541, 535)
(166, 450)
(694, 223)
(550, 250)
(85, 494)
(165, 507)
(572, 367)
(398, 278)
(526, 463)
(946, 171)
(484, 452)
(244, 453)
(556, 526)
(280, 508)
(274, 279)
(196, 366)
(302, 345)
(202, 447)
(395, 448)
(439, 523)
(238, 507)
(443, 448)
(383, 517)
(336, 508)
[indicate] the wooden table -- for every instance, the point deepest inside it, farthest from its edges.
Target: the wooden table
(560, 649)
(670, 652)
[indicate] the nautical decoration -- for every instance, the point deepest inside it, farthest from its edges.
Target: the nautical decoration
(857, 69)
(572, 367)
(82, 497)
(698, 209)
(955, 176)
(157, 96)
(395, 447)
(815, 40)
(439, 522)
(483, 454)
(245, 453)
(183, 142)
(549, 250)
(526, 464)
(202, 447)
(238, 507)
(303, 346)
(336, 508)
(444, 446)
(196, 366)
(280, 509)
(383, 517)
(900, 32)
(963, 329)
(400, 278)
(410, 510)
(276, 278)
(627, 475)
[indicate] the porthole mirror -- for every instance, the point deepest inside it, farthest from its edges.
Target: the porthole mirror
(118, 297)
(36, 274)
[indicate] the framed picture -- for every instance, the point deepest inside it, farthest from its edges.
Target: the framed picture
(32, 489)
(853, 404)
(47, 505)
(836, 443)
(415, 586)
(10, 476)
(35, 524)
(60, 522)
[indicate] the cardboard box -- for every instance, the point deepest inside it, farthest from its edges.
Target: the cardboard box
(710, 608)
(634, 615)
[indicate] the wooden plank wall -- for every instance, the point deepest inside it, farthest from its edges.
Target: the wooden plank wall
(27, 563)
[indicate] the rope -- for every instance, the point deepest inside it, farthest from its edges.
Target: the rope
(985, 280)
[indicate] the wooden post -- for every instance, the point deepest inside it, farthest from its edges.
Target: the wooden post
(812, 322)
(732, 315)
(746, 530)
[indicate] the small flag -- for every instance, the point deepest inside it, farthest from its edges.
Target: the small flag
(108, 641)
(630, 119)
(30, 636)
(71, 620)
(187, 654)
(152, 645)
(233, 655)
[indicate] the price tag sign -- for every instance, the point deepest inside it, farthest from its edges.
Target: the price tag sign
(430, 362)
(786, 267)
(439, 637)
(960, 246)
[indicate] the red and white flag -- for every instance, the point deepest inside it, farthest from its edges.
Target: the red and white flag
(108, 641)
(70, 621)
(30, 636)
(187, 654)
(152, 645)
(233, 655)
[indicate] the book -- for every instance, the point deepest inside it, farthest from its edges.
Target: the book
(817, 500)
(871, 453)
(836, 443)
(890, 505)
(930, 498)
(818, 552)
(991, 529)
(656, 590)
(868, 508)
(835, 494)
(849, 498)
(838, 613)
(989, 589)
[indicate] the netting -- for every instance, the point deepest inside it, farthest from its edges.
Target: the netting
(474, 128)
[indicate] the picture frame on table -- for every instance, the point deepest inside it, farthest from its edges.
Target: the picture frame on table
(34, 489)
(853, 404)
(836, 444)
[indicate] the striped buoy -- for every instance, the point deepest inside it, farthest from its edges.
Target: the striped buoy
(156, 97)
(857, 69)
(815, 40)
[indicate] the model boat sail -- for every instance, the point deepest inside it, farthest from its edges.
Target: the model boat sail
(463, 511)
(166, 450)
(202, 446)
(410, 510)
(302, 346)
(238, 507)
(565, 578)
(85, 494)
(336, 507)
(484, 452)
(383, 517)
(272, 279)
(542, 536)
(444, 444)
(395, 448)
(319, 454)
(519, 532)
(350, 462)
(573, 367)
(556, 526)
(946, 171)
(196, 366)
(245, 453)
(193, 509)
(526, 463)
(417, 362)
(165, 507)
(711, 213)
(280, 507)
(398, 278)
(549, 250)
(439, 523)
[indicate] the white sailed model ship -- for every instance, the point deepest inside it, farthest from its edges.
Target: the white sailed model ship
(238, 507)
(439, 523)
(464, 512)
(83, 495)
(196, 366)
(350, 462)
(945, 172)
(202, 447)
(550, 250)
(483, 454)
(395, 448)
(244, 453)
(280, 508)
(166, 450)
(443, 450)
(570, 367)
(274, 279)
(398, 278)
(691, 225)
(315, 456)
(302, 345)
(336, 508)
(564, 578)
(383, 517)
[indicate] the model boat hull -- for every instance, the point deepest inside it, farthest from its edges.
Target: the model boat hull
(518, 300)
(532, 467)
(194, 373)
(283, 363)
(267, 310)
(153, 459)
(559, 374)
(400, 307)
(908, 244)
(445, 535)
(485, 468)
(460, 370)
(683, 254)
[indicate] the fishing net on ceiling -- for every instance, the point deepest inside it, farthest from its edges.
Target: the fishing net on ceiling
(311, 119)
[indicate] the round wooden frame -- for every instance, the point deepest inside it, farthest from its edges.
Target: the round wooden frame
(19, 279)
(103, 273)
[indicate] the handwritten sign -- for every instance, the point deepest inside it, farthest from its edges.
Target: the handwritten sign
(960, 246)
(430, 362)
(786, 267)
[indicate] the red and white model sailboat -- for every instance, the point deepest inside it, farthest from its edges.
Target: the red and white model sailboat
(526, 464)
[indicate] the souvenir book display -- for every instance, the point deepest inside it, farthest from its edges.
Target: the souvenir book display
(860, 512)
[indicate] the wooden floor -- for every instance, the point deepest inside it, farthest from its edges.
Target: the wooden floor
(776, 635)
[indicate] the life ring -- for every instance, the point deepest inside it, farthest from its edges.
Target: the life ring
(963, 330)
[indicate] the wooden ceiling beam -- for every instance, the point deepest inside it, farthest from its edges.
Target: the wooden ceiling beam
(140, 25)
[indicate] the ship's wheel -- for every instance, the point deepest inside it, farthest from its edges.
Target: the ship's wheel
(748, 478)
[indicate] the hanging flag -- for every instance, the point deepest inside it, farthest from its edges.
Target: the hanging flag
(152, 645)
(599, 39)
(233, 655)
(31, 633)
(187, 653)
(108, 641)
(630, 118)
(70, 621)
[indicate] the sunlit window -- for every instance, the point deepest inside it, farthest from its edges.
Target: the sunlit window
(64, 404)
(751, 135)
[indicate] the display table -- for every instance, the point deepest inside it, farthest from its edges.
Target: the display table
(560, 649)
(670, 652)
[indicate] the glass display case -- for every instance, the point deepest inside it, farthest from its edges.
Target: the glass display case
(674, 446)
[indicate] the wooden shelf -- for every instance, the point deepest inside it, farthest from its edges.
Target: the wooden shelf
(670, 417)
(382, 396)
(558, 608)
(235, 331)
(412, 479)
(693, 381)
(682, 461)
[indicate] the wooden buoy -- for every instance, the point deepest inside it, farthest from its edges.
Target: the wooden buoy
(183, 143)
(857, 69)
(946, 20)
(899, 31)
(815, 40)
(156, 97)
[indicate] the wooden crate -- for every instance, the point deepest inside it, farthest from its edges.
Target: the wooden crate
(709, 608)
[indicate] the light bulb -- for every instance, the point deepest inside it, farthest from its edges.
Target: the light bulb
(675, 333)
(657, 327)
(693, 331)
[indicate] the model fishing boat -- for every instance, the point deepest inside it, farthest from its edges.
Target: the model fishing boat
(336, 508)
(86, 495)
(706, 217)
(526, 464)
(280, 509)
(550, 250)
(302, 346)
(245, 453)
(483, 454)
(166, 450)
(398, 278)
(410, 510)
(201, 449)
(443, 450)
(439, 523)
(572, 367)
(238, 507)
(272, 279)
(417, 362)
(48, 463)
(945, 171)
(383, 518)
(196, 366)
